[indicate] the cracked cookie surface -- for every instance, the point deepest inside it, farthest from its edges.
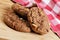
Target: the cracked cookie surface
(20, 10)
(13, 21)
(38, 20)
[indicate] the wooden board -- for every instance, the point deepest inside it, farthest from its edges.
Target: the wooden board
(7, 33)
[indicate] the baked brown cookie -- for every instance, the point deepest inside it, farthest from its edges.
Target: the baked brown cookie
(38, 20)
(13, 21)
(21, 10)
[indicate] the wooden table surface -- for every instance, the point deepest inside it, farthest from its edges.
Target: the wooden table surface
(7, 33)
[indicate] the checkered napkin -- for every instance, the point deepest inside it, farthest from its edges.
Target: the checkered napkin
(50, 7)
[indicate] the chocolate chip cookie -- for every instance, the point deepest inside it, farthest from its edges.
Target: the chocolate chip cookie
(13, 21)
(38, 20)
(20, 10)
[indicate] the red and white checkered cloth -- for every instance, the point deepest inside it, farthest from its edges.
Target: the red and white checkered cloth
(50, 7)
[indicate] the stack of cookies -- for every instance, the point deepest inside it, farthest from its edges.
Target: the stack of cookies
(25, 19)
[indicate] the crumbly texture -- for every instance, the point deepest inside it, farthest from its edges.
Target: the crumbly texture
(38, 20)
(21, 10)
(13, 21)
